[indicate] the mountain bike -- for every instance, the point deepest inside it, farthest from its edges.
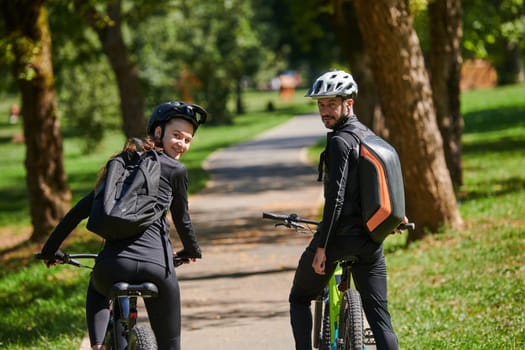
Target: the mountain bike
(338, 311)
(123, 331)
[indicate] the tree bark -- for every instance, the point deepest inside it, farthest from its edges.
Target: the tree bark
(49, 195)
(445, 71)
(108, 29)
(406, 99)
(367, 106)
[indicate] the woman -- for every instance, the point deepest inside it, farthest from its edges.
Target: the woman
(148, 256)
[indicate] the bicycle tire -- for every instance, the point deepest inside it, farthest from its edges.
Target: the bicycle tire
(351, 330)
(318, 309)
(142, 338)
(325, 341)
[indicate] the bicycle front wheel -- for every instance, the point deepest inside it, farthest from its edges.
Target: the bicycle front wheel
(351, 332)
(142, 338)
(326, 338)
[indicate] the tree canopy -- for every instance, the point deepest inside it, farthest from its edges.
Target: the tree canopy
(115, 59)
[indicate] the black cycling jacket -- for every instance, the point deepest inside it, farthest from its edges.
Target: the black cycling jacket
(338, 168)
(154, 244)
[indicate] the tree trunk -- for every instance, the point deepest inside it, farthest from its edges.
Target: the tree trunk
(108, 29)
(508, 63)
(49, 195)
(406, 99)
(445, 72)
(238, 97)
(344, 24)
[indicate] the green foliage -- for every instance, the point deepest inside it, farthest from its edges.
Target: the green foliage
(224, 48)
(87, 90)
(307, 29)
(91, 107)
(494, 30)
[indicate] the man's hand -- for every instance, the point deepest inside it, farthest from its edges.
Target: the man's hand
(319, 261)
(396, 230)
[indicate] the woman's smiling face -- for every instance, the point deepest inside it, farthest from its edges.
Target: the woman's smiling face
(178, 134)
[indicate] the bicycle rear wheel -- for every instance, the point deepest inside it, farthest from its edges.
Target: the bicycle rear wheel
(351, 332)
(142, 338)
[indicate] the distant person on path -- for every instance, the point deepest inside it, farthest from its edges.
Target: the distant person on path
(148, 256)
(342, 232)
(14, 113)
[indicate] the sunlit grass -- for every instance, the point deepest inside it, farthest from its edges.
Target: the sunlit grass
(466, 290)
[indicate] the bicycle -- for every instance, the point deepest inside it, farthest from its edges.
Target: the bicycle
(338, 311)
(123, 331)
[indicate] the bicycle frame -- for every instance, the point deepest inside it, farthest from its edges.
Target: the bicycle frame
(123, 331)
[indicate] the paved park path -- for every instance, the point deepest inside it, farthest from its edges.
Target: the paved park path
(236, 297)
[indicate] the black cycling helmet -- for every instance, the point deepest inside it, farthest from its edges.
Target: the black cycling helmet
(195, 114)
(332, 84)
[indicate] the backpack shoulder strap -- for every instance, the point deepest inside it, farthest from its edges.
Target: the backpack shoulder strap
(358, 130)
(149, 165)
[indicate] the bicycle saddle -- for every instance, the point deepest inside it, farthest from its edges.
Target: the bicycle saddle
(349, 260)
(146, 289)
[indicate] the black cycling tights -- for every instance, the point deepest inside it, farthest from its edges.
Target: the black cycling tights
(163, 311)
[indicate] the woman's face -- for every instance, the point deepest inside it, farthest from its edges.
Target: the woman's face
(178, 134)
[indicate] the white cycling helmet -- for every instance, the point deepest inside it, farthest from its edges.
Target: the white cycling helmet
(332, 84)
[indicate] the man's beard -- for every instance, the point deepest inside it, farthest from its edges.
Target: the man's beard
(337, 123)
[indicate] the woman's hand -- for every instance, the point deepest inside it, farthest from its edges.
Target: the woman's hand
(184, 256)
(53, 259)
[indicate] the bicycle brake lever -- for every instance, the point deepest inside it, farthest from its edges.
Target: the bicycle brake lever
(298, 226)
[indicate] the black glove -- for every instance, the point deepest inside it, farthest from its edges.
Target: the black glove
(186, 254)
(52, 258)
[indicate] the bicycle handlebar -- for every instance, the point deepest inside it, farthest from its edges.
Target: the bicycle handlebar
(292, 217)
(407, 226)
(71, 259)
(290, 221)
(293, 220)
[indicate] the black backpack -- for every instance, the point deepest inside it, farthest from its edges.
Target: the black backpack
(381, 183)
(125, 202)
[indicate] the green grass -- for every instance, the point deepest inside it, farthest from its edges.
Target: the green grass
(466, 290)
(454, 290)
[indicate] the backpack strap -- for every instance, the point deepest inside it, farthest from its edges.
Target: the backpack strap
(320, 167)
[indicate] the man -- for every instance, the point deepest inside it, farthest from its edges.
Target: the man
(341, 232)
